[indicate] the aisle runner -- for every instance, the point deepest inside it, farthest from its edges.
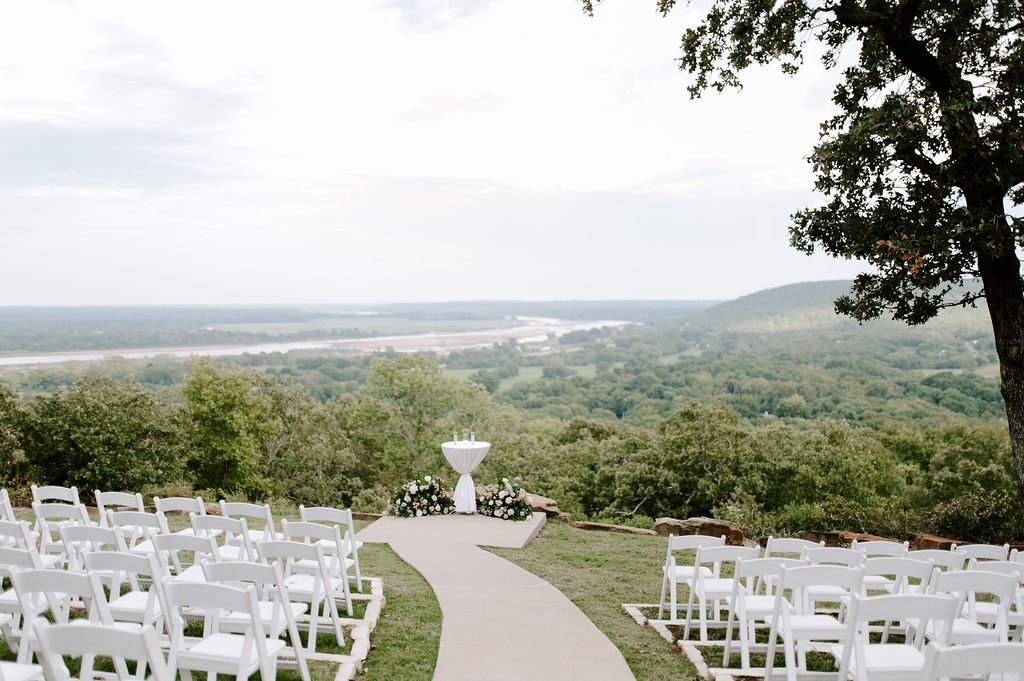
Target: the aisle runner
(499, 622)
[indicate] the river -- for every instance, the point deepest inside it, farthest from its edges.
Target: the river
(531, 330)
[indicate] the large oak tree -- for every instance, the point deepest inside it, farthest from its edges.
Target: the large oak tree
(922, 168)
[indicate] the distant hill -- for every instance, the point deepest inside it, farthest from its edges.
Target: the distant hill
(810, 307)
(624, 310)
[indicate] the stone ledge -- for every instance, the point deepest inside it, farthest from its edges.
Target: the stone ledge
(621, 529)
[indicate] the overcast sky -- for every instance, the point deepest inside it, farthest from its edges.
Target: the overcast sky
(394, 150)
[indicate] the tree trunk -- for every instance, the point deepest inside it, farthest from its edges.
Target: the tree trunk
(1004, 294)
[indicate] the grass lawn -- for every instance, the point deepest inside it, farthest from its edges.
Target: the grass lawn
(599, 571)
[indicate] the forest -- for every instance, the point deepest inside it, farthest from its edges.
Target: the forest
(768, 410)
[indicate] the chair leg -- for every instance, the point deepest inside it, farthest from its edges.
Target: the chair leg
(661, 601)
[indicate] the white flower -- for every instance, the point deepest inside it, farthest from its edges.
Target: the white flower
(427, 478)
(413, 488)
(407, 498)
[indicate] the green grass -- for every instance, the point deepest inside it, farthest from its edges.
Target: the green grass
(599, 571)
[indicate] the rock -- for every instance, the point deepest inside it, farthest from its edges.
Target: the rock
(366, 516)
(565, 518)
(710, 527)
(932, 541)
(548, 507)
(213, 509)
(603, 527)
(846, 538)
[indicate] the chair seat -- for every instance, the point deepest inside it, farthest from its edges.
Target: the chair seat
(328, 545)
(761, 605)
(131, 606)
(966, 631)
(890, 657)
(686, 573)
(301, 586)
(12, 671)
(232, 553)
(193, 573)
(310, 566)
(240, 621)
(824, 626)
(878, 583)
(716, 588)
(222, 651)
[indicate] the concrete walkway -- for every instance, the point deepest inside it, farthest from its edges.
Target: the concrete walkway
(499, 622)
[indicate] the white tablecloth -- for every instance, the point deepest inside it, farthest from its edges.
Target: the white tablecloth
(464, 457)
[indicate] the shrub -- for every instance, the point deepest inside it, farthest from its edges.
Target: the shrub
(986, 517)
(420, 497)
(503, 501)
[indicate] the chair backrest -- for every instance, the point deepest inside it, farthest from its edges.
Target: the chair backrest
(6, 509)
(716, 555)
(138, 526)
(15, 559)
(1016, 556)
(169, 548)
(834, 556)
(327, 537)
(326, 515)
(49, 518)
(58, 493)
(902, 570)
(82, 539)
(268, 582)
(261, 512)
(873, 549)
(935, 613)
(124, 501)
(55, 587)
(15, 534)
(971, 660)
(1003, 567)
(225, 531)
(799, 579)
(983, 551)
(761, 574)
(947, 560)
(180, 505)
(782, 546)
(86, 640)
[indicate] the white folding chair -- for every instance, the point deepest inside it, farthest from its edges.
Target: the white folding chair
(753, 601)
(180, 505)
(219, 651)
(61, 592)
(983, 551)
(13, 671)
(832, 555)
(49, 519)
(796, 621)
(117, 501)
(1016, 556)
(862, 660)
(711, 590)
(136, 604)
(316, 588)
(966, 585)
(276, 610)
(58, 493)
(263, 529)
(169, 550)
(982, 659)
(329, 539)
(57, 641)
(678, 571)
(229, 534)
(6, 508)
(789, 547)
(326, 515)
(139, 528)
(79, 540)
(987, 611)
(11, 560)
(17, 535)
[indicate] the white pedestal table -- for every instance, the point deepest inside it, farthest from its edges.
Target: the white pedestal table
(464, 456)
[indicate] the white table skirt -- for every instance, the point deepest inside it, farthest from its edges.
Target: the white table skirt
(464, 457)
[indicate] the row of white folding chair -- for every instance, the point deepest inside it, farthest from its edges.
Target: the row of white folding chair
(38, 590)
(1015, 617)
(120, 502)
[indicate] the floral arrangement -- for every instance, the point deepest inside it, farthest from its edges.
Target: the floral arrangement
(422, 496)
(505, 502)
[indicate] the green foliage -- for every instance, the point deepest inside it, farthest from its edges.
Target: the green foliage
(12, 457)
(985, 516)
(102, 434)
